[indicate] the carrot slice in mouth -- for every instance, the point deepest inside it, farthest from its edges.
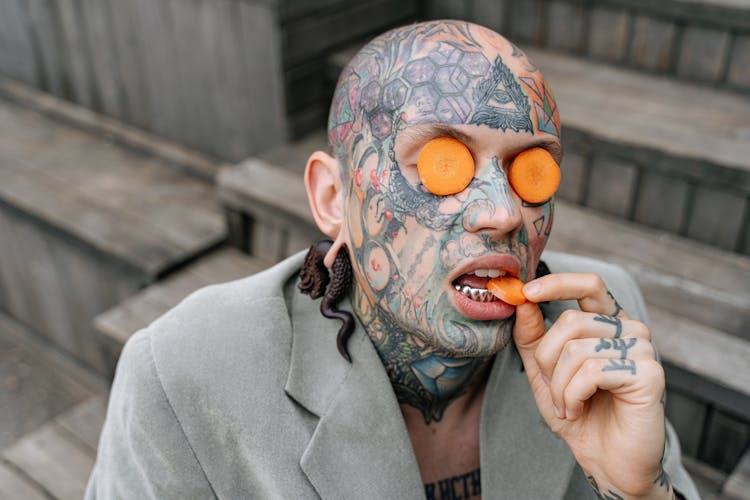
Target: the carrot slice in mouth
(508, 289)
(445, 166)
(534, 175)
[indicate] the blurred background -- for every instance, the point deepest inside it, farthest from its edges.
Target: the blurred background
(151, 147)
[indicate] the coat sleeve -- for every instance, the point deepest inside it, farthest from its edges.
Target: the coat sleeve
(143, 452)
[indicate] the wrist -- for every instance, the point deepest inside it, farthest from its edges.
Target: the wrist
(659, 489)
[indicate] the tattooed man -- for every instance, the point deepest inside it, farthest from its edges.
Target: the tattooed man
(442, 391)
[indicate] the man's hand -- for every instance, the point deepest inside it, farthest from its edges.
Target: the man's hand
(597, 384)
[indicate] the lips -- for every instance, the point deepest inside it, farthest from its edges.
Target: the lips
(469, 287)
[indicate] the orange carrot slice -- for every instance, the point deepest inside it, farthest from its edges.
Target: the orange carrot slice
(507, 289)
(445, 166)
(534, 175)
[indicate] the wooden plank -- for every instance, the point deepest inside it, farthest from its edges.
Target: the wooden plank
(129, 49)
(85, 420)
(104, 65)
(75, 47)
(54, 459)
(194, 95)
(708, 132)
(669, 269)
(154, 28)
(262, 64)
(34, 388)
(17, 58)
(309, 36)
(104, 229)
(738, 483)
(45, 26)
(120, 322)
(134, 195)
(235, 93)
(15, 485)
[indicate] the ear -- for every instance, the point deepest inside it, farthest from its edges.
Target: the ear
(325, 195)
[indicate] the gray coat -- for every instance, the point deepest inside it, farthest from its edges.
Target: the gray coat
(239, 392)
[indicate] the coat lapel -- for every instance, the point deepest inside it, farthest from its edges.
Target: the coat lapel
(360, 447)
(521, 457)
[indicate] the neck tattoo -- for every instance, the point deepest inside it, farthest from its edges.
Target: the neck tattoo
(421, 375)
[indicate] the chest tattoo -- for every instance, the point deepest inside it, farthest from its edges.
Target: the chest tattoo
(468, 485)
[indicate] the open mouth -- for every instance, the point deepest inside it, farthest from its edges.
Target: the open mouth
(473, 285)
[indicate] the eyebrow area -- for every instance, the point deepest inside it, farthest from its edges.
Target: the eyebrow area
(419, 134)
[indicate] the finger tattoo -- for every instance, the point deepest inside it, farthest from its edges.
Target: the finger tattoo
(622, 345)
(627, 365)
(618, 308)
(610, 320)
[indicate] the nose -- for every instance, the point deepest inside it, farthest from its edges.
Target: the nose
(491, 206)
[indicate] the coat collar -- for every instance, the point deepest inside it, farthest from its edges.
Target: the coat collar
(361, 448)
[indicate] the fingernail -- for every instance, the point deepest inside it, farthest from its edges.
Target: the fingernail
(557, 412)
(532, 288)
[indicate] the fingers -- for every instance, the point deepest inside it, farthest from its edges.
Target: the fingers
(636, 381)
(624, 353)
(577, 324)
(577, 337)
(587, 288)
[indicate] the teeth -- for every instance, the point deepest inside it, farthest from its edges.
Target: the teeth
(476, 294)
(487, 273)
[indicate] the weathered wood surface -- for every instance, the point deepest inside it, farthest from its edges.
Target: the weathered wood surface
(186, 159)
(34, 386)
(136, 208)
(55, 458)
(206, 73)
(85, 420)
(85, 223)
(15, 485)
(738, 484)
(135, 313)
(670, 270)
(678, 119)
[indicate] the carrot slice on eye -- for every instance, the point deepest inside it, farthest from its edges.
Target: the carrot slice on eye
(534, 175)
(445, 166)
(508, 289)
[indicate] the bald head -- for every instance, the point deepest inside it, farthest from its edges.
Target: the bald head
(446, 72)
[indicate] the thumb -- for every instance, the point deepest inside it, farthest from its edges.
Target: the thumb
(527, 333)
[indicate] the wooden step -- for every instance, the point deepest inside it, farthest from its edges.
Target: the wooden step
(117, 324)
(56, 459)
(684, 277)
(737, 486)
(85, 222)
(695, 40)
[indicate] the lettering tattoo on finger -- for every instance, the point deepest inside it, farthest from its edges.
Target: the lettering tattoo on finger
(610, 320)
(618, 307)
(627, 365)
(622, 345)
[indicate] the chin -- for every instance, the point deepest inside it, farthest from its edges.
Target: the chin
(472, 339)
